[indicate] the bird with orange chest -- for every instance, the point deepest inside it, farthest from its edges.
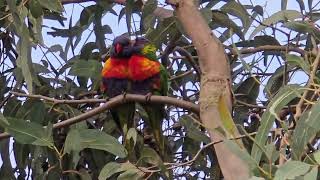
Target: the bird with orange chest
(115, 80)
(148, 77)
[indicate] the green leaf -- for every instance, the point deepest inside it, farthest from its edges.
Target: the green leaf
(106, 29)
(26, 132)
(307, 127)
(89, 69)
(247, 91)
(21, 154)
(38, 68)
(150, 156)
(291, 170)
(300, 26)
(132, 174)
(35, 8)
(132, 134)
(110, 169)
(37, 112)
(84, 175)
(298, 61)
(3, 121)
(25, 63)
(316, 156)
(53, 5)
(94, 139)
(237, 9)
(275, 82)
(87, 50)
(36, 27)
(284, 15)
(312, 175)
(282, 98)
(148, 8)
(87, 15)
(131, 171)
(258, 9)
(193, 130)
(222, 19)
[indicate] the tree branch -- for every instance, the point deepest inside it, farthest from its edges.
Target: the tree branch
(113, 102)
(84, 1)
(267, 48)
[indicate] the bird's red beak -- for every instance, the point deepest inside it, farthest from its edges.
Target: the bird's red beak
(118, 48)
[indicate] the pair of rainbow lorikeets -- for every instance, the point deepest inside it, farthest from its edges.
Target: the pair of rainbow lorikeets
(133, 68)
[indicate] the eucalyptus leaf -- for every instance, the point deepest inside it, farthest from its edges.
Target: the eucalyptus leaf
(95, 139)
(283, 15)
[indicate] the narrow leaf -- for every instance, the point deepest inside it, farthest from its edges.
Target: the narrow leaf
(26, 132)
(307, 127)
(275, 18)
(291, 170)
(284, 96)
(95, 139)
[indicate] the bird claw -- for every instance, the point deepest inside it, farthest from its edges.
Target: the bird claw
(124, 94)
(148, 97)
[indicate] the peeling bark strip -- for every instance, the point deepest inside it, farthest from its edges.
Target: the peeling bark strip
(214, 83)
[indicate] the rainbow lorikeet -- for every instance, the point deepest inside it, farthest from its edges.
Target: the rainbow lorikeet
(149, 77)
(115, 80)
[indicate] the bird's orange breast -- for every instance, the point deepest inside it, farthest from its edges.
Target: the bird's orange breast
(141, 68)
(115, 68)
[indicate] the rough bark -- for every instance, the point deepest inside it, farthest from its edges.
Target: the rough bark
(214, 83)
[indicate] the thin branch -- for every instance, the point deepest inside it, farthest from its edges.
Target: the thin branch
(181, 75)
(266, 48)
(113, 102)
(84, 1)
(4, 101)
(58, 101)
(310, 82)
(189, 57)
(188, 163)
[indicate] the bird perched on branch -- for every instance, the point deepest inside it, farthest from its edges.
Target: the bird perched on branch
(115, 80)
(148, 78)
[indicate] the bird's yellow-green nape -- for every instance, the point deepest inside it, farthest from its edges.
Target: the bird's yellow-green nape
(145, 48)
(149, 49)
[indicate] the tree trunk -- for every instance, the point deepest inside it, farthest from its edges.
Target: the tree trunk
(214, 84)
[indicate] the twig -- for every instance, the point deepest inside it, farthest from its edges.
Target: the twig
(83, 1)
(189, 57)
(181, 75)
(188, 163)
(5, 100)
(310, 82)
(267, 48)
(58, 101)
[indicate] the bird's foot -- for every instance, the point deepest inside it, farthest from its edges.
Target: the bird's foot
(107, 99)
(124, 94)
(148, 97)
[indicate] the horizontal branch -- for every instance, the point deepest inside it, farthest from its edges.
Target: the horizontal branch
(113, 102)
(266, 48)
(84, 1)
(59, 101)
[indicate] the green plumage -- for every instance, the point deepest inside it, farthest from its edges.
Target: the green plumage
(156, 112)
